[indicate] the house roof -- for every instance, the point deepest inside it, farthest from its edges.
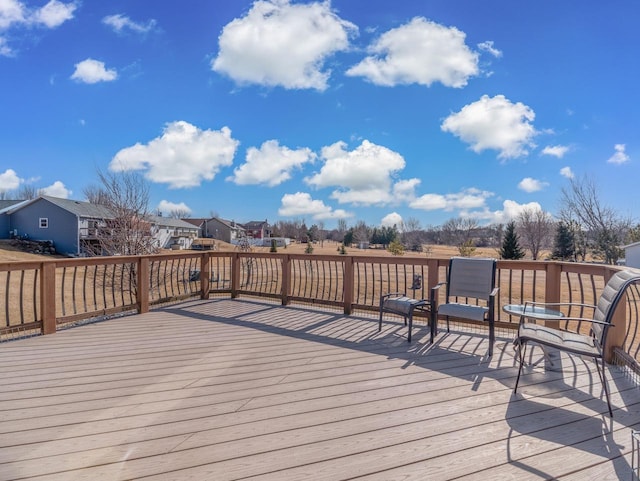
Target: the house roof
(172, 222)
(256, 224)
(196, 222)
(6, 205)
(229, 223)
(76, 207)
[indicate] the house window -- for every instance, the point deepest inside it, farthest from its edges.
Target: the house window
(44, 222)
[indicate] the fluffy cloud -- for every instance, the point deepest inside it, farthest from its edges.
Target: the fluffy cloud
(363, 176)
(121, 23)
(167, 207)
(494, 123)
(620, 156)
(467, 199)
(421, 52)
(54, 13)
(57, 189)
(12, 12)
(405, 190)
(301, 204)
(282, 44)
(510, 211)
(15, 14)
(92, 71)
(555, 150)
(183, 156)
(271, 164)
(392, 219)
(529, 184)
(567, 172)
(9, 180)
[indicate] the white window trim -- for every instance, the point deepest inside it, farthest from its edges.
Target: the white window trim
(43, 222)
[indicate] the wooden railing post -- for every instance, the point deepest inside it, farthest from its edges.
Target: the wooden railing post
(552, 287)
(618, 332)
(48, 297)
(347, 295)
(286, 278)
(433, 274)
(235, 275)
(143, 281)
(205, 275)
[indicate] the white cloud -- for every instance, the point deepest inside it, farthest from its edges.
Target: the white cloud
(282, 44)
(271, 164)
(494, 123)
(9, 180)
(363, 176)
(121, 23)
(301, 204)
(489, 48)
(183, 156)
(92, 71)
(11, 12)
(54, 13)
(57, 189)
(466, 199)
(392, 219)
(405, 190)
(620, 156)
(421, 52)
(529, 184)
(567, 172)
(510, 211)
(167, 207)
(555, 150)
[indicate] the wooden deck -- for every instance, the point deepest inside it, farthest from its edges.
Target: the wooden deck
(239, 389)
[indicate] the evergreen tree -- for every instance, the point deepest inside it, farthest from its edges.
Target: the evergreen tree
(511, 244)
(564, 245)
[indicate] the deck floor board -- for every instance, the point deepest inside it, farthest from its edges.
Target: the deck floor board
(239, 389)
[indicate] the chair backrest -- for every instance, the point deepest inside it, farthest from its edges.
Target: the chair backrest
(609, 299)
(471, 277)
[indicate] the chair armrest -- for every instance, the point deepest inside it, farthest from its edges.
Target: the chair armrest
(494, 292)
(434, 294)
(390, 294)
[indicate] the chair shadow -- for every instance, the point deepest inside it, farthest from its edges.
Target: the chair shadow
(525, 415)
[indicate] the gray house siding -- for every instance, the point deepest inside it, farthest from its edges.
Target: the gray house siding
(62, 225)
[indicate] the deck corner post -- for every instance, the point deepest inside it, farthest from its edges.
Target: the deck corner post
(348, 285)
(143, 281)
(48, 297)
(205, 275)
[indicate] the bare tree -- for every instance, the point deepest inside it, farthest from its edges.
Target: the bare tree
(179, 214)
(535, 227)
(128, 230)
(361, 233)
(459, 232)
(604, 227)
(342, 227)
(96, 195)
(27, 192)
(411, 233)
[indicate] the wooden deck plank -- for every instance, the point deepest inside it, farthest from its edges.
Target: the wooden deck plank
(245, 389)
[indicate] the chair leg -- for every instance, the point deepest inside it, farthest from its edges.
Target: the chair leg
(492, 337)
(447, 323)
(604, 383)
(522, 346)
(380, 322)
(410, 326)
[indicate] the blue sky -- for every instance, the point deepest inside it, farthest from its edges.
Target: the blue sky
(357, 109)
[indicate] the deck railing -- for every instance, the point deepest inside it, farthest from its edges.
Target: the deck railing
(40, 297)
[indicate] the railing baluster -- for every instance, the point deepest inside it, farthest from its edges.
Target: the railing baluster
(62, 291)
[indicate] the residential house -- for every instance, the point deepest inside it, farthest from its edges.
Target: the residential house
(173, 233)
(5, 223)
(72, 225)
(224, 230)
(201, 224)
(257, 229)
(632, 255)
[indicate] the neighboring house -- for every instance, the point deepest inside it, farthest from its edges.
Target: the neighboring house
(5, 219)
(173, 233)
(72, 225)
(257, 229)
(224, 230)
(201, 224)
(632, 255)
